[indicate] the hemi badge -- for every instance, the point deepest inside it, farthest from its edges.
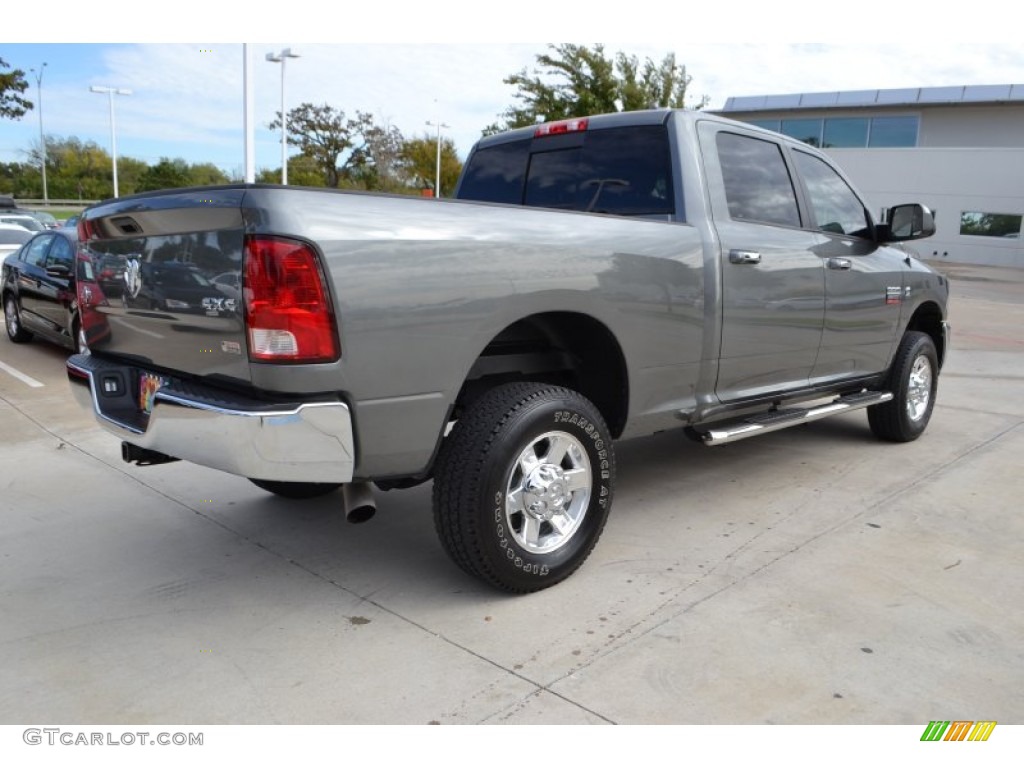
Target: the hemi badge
(893, 294)
(231, 347)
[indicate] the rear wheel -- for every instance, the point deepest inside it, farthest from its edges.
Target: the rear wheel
(12, 318)
(913, 380)
(295, 490)
(523, 486)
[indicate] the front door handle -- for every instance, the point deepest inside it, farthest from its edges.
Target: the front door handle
(839, 263)
(744, 257)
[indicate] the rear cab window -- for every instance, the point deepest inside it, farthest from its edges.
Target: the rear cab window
(623, 170)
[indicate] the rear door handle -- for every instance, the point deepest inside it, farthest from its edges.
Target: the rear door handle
(744, 257)
(839, 263)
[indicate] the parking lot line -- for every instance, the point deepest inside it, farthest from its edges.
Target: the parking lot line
(19, 375)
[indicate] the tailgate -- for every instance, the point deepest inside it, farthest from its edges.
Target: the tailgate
(163, 282)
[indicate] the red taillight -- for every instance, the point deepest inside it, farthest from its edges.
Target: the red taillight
(86, 230)
(287, 309)
(562, 126)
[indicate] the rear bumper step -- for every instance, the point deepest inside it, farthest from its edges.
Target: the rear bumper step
(292, 442)
(772, 421)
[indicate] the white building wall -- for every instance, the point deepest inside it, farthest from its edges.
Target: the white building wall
(949, 181)
(972, 126)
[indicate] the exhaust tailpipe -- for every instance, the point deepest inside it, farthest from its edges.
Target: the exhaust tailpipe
(359, 503)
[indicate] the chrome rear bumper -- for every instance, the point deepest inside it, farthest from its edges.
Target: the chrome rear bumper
(296, 442)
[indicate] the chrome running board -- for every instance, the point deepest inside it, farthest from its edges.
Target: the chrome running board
(774, 420)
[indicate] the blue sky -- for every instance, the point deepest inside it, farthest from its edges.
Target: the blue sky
(187, 95)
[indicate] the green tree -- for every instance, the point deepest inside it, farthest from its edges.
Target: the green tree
(205, 175)
(176, 173)
(16, 179)
(381, 168)
(129, 174)
(574, 81)
(343, 148)
(419, 158)
(167, 174)
(12, 85)
(74, 169)
(303, 171)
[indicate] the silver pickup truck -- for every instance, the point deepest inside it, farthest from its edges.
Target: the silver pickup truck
(596, 279)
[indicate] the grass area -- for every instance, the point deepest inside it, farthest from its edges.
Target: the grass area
(61, 214)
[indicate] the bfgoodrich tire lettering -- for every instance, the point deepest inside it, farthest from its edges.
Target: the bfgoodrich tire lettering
(913, 380)
(523, 486)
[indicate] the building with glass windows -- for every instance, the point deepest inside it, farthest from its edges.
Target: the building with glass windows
(959, 150)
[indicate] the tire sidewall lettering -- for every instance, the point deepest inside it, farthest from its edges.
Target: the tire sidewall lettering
(597, 445)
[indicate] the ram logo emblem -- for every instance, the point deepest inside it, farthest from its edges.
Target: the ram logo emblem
(133, 277)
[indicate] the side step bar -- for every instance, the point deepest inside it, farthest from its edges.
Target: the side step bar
(771, 421)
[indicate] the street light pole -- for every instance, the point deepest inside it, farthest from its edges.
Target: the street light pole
(437, 176)
(247, 115)
(280, 59)
(113, 128)
(42, 136)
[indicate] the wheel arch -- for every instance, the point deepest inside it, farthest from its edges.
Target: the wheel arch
(927, 318)
(571, 349)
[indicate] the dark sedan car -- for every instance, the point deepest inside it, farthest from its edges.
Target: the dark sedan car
(38, 285)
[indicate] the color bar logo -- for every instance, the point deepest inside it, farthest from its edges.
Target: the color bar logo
(958, 730)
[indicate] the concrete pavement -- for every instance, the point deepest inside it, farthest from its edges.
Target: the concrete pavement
(813, 575)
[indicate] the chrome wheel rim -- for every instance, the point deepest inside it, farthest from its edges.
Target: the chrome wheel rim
(919, 388)
(11, 317)
(548, 492)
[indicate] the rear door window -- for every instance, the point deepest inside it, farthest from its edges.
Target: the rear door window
(35, 252)
(60, 253)
(758, 186)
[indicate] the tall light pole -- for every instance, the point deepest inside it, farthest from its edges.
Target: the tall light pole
(113, 129)
(280, 59)
(42, 136)
(247, 115)
(437, 176)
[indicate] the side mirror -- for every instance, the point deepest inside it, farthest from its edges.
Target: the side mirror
(910, 221)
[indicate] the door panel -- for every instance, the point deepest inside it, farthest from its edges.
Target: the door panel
(773, 284)
(773, 310)
(864, 289)
(863, 281)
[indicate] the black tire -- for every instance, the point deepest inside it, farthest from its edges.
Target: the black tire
(519, 530)
(77, 338)
(913, 380)
(12, 319)
(295, 490)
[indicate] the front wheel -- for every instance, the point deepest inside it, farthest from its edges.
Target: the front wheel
(913, 380)
(523, 486)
